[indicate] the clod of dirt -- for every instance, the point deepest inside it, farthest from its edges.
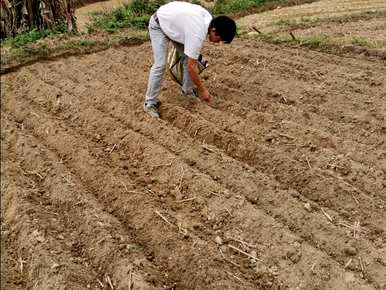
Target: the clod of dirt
(38, 236)
(218, 240)
(274, 270)
(55, 265)
(349, 250)
(293, 255)
(139, 262)
(253, 262)
(349, 277)
(191, 162)
(294, 193)
(4, 234)
(382, 260)
(20, 117)
(261, 270)
(307, 206)
(297, 245)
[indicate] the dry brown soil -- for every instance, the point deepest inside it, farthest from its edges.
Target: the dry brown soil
(279, 183)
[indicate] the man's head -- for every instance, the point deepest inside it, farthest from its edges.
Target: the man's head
(222, 29)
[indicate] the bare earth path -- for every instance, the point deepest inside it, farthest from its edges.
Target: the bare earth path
(280, 182)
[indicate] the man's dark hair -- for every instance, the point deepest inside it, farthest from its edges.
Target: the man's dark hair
(225, 27)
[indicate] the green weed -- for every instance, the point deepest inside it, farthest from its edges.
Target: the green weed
(24, 38)
(312, 41)
(231, 6)
(27, 51)
(32, 36)
(293, 24)
(360, 41)
(245, 7)
(309, 22)
(285, 22)
(134, 15)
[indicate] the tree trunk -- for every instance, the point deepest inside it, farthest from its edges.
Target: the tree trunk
(24, 15)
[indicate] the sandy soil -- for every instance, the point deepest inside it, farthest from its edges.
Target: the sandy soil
(278, 184)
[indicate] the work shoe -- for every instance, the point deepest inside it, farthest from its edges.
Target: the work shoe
(151, 110)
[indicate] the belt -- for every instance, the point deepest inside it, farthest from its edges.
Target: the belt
(155, 17)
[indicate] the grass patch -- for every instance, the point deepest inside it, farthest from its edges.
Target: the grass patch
(239, 8)
(134, 15)
(25, 52)
(360, 41)
(24, 38)
(312, 41)
(292, 24)
(323, 43)
(67, 45)
(232, 6)
(137, 14)
(32, 36)
(76, 44)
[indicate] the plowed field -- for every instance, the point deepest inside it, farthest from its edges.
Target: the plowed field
(277, 184)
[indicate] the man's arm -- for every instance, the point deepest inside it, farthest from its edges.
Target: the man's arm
(193, 72)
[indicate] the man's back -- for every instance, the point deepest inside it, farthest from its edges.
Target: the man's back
(185, 23)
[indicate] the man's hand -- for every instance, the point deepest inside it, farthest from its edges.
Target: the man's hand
(202, 91)
(204, 95)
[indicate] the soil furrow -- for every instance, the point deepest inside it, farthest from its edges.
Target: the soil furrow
(376, 178)
(286, 166)
(345, 186)
(327, 201)
(100, 238)
(319, 149)
(120, 80)
(184, 263)
(43, 262)
(371, 183)
(99, 118)
(252, 99)
(310, 95)
(290, 172)
(281, 112)
(300, 124)
(135, 142)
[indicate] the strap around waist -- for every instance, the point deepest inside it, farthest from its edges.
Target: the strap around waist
(155, 17)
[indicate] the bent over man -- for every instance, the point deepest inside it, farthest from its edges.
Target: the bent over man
(187, 26)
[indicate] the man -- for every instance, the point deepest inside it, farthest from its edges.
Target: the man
(187, 25)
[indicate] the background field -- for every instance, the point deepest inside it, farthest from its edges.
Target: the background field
(277, 184)
(357, 24)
